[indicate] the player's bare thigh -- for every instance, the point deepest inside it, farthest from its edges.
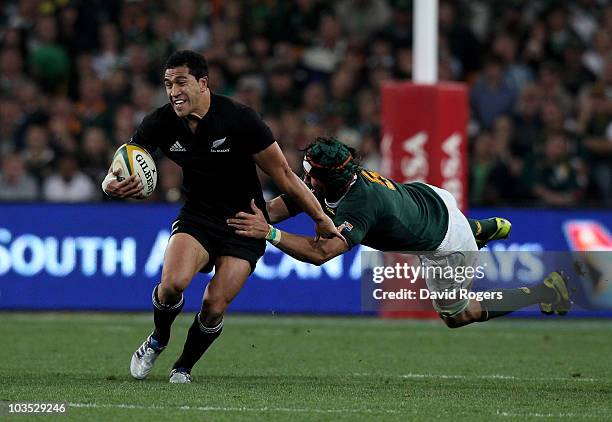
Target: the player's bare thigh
(230, 275)
(184, 257)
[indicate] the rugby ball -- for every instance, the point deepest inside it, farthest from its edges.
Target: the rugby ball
(133, 159)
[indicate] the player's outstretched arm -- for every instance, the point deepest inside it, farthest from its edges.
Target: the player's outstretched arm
(130, 187)
(272, 161)
(302, 248)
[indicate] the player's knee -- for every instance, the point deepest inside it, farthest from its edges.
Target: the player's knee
(174, 284)
(460, 319)
(450, 321)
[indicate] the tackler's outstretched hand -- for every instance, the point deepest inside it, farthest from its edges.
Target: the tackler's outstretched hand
(326, 229)
(250, 225)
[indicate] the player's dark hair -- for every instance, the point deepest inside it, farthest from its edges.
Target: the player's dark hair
(198, 67)
(332, 161)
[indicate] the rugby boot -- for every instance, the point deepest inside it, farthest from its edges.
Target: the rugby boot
(562, 304)
(144, 358)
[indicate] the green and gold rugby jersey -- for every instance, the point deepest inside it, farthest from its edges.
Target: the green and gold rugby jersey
(388, 216)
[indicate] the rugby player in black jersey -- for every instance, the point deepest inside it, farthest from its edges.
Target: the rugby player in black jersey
(217, 142)
(389, 216)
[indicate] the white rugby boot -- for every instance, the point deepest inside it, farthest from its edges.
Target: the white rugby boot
(180, 376)
(143, 359)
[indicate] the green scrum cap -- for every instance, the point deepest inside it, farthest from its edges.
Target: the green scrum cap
(330, 161)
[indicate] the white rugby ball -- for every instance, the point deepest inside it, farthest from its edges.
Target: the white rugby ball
(134, 159)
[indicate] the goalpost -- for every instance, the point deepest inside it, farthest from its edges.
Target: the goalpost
(424, 125)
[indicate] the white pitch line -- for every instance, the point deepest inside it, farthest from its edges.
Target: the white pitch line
(552, 415)
(307, 410)
(228, 409)
(492, 376)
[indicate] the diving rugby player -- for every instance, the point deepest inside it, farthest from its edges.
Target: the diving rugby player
(389, 216)
(217, 142)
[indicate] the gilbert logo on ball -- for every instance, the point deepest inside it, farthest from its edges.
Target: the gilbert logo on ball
(134, 159)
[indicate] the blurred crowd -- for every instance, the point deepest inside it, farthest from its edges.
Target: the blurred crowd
(77, 77)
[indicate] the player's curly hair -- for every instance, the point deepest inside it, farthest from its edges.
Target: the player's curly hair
(332, 162)
(196, 63)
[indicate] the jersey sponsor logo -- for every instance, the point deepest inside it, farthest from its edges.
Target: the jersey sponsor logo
(348, 226)
(177, 147)
(216, 144)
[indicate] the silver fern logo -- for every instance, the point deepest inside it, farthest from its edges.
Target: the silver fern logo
(218, 142)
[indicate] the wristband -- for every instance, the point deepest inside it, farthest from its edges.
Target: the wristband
(109, 178)
(274, 235)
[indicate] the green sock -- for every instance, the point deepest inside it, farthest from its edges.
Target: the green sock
(513, 299)
(483, 229)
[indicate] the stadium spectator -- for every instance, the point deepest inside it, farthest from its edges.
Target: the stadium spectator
(144, 99)
(11, 70)
(595, 125)
(250, 90)
(369, 150)
(559, 31)
(16, 184)
(583, 18)
(64, 126)
(327, 51)
(362, 18)
(399, 29)
(95, 154)
(517, 74)
(527, 119)
(574, 73)
(309, 66)
(368, 109)
(109, 58)
(601, 48)
(552, 88)
(49, 61)
(191, 33)
(170, 180)
(489, 177)
(92, 108)
(313, 102)
(462, 42)
(403, 62)
(552, 175)
(38, 154)
(296, 21)
(69, 184)
(280, 93)
(10, 114)
(341, 94)
(492, 95)
(124, 125)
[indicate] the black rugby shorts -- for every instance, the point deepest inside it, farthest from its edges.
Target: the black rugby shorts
(218, 239)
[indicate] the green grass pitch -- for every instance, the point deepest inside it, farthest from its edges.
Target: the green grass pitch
(298, 368)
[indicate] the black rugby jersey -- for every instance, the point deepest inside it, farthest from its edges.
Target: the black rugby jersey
(219, 175)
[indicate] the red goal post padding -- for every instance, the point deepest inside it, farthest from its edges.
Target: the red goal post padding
(425, 139)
